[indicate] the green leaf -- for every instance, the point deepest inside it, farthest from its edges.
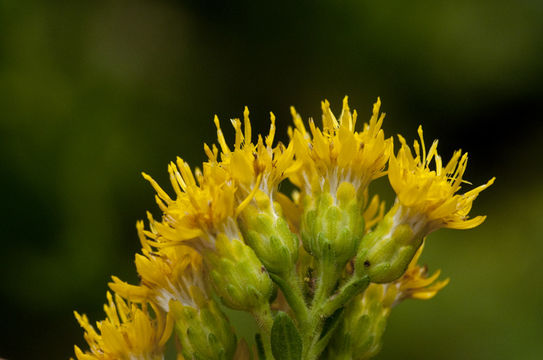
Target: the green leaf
(285, 339)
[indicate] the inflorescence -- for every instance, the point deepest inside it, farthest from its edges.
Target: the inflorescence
(319, 269)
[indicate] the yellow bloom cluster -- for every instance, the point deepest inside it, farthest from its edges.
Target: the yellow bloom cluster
(228, 231)
(207, 203)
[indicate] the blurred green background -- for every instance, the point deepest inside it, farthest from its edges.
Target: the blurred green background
(93, 92)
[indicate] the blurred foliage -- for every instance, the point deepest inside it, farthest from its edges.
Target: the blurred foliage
(93, 92)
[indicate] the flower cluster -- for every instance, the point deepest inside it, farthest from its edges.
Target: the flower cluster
(229, 238)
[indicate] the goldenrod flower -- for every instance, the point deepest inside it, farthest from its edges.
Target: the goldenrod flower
(173, 278)
(228, 233)
(259, 165)
(338, 163)
(205, 206)
(428, 198)
(256, 170)
(207, 203)
(338, 153)
(169, 273)
(128, 333)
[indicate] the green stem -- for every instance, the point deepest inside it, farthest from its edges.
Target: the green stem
(322, 309)
(355, 285)
(291, 288)
(321, 343)
(264, 319)
(310, 336)
(328, 276)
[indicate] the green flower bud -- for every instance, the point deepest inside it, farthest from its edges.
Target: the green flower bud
(386, 252)
(204, 333)
(359, 336)
(267, 232)
(332, 224)
(237, 275)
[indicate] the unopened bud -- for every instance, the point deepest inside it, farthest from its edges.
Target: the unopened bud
(204, 333)
(267, 232)
(359, 336)
(238, 276)
(332, 224)
(385, 253)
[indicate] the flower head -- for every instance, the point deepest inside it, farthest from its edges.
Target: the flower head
(168, 273)
(128, 333)
(338, 163)
(260, 165)
(173, 278)
(208, 202)
(428, 198)
(338, 153)
(205, 206)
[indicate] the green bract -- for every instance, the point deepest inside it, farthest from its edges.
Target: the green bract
(204, 333)
(386, 252)
(267, 232)
(333, 225)
(238, 276)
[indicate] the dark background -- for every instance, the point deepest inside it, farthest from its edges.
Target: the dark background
(93, 92)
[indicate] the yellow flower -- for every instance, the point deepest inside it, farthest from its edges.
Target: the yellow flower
(169, 273)
(338, 163)
(414, 284)
(227, 231)
(205, 206)
(254, 165)
(208, 203)
(173, 278)
(338, 153)
(129, 332)
(428, 198)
